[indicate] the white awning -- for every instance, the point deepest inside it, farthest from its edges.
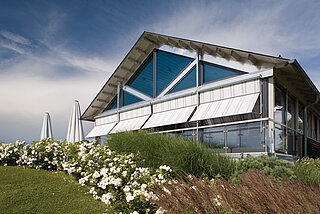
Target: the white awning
(180, 115)
(101, 130)
(130, 124)
(226, 107)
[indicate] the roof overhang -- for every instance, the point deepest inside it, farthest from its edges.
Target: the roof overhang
(298, 82)
(147, 43)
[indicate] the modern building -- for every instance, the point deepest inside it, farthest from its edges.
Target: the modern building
(239, 101)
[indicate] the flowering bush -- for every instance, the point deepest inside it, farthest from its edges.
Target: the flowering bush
(114, 178)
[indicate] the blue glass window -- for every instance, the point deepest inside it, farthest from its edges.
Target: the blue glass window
(129, 98)
(216, 72)
(112, 104)
(143, 79)
(188, 81)
(168, 67)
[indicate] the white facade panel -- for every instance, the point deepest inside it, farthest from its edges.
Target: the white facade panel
(180, 115)
(101, 130)
(175, 103)
(135, 113)
(226, 107)
(107, 119)
(227, 92)
(130, 124)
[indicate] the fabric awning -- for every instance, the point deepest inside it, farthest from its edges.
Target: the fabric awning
(130, 124)
(226, 107)
(180, 115)
(101, 130)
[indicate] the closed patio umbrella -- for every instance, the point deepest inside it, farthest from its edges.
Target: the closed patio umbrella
(46, 131)
(75, 130)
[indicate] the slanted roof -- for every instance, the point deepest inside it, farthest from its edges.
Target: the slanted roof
(148, 42)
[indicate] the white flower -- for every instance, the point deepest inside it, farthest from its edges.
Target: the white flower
(161, 211)
(124, 173)
(96, 174)
(129, 198)
(126, 189)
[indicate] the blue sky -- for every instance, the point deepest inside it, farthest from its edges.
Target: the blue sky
(52, 52)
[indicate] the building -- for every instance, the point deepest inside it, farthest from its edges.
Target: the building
(240, 102)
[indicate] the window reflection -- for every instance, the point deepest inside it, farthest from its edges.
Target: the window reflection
(280, 138)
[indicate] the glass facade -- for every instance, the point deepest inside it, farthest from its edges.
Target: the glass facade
(300, 118)
(215, 72)
(280, 138)
(143, 79)
(129, 98)
(279, 109)
(112, 104)
(246, 137)
(188, 81)
(291, 112)
(168, 67)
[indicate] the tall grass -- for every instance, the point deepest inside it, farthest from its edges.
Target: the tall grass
(256, 194)
(308, 171)
(180, 154)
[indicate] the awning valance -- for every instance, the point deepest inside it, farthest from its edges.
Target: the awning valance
(132, 120)
(226, 107)
(101, 130)
(180, 115)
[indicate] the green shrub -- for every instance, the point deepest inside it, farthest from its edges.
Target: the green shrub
(180, 154)
(273, 167)
(308, 171)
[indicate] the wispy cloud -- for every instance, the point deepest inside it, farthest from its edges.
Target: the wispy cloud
(287, 27)
(15, 37)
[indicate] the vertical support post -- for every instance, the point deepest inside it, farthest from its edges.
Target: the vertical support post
(264, 110)
(305, 121)
(198, 70)
(271, 101)
(154, 56)
(286, 118)
(118, 100)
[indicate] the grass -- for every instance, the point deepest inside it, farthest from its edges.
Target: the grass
(256, 194)
(180, 154)
(24, 190)
(308, 171)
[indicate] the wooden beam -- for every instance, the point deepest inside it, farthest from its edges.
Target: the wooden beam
(112, 85)
(151, 41)
(195, 47)
(141, 51)
(134, 60)
(107, 93)
(252, 59)
(127, 69)
(163, 40)
(235, 56)
(173, 43)
(119, 77)
(220, 53)
(97, 107)
(210, 51)
(102, 101)
(185, 45)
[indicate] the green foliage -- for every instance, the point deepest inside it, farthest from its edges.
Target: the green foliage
(273, 167)
(24, 190)
(180, 154)
(308, 171)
